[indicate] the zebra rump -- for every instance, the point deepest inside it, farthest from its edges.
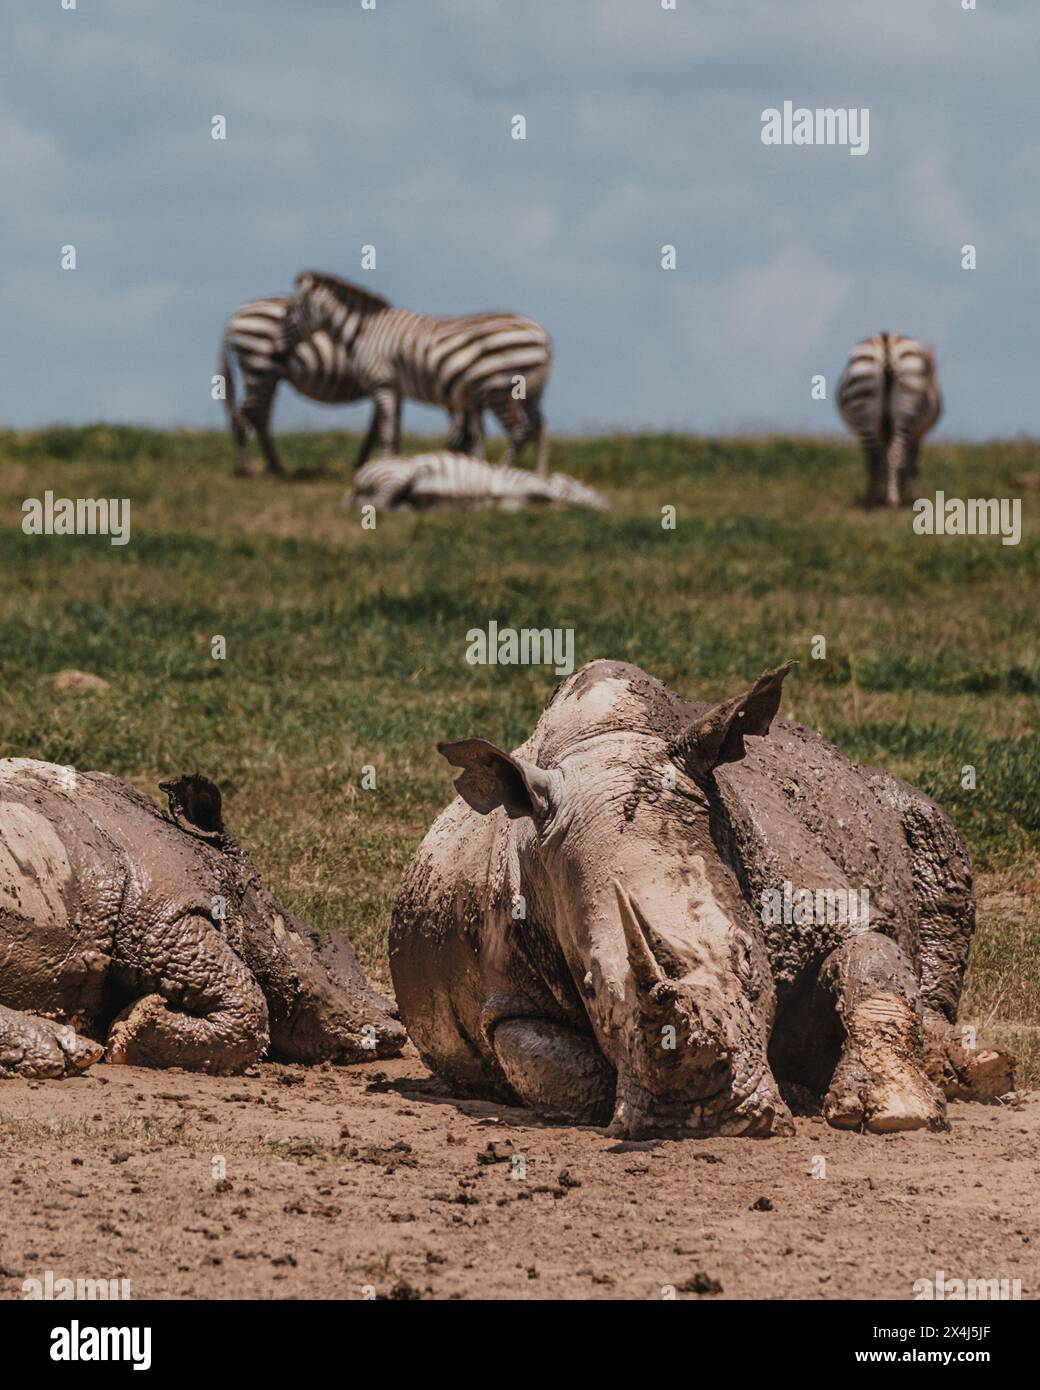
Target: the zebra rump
(889, 397)
(462, 482)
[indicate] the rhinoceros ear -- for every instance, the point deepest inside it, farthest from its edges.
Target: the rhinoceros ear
(195, 803)
(718, 737)
(492, 778)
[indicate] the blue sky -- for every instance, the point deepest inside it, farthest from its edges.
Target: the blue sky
(392, 127)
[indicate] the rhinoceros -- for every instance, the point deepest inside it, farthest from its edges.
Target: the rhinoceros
(591, 928)
(153, 932)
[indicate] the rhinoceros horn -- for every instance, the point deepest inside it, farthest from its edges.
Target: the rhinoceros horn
(718, 736)
(641, 959)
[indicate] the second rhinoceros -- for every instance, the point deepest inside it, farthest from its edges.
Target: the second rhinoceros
(154, 933)
(597, 925)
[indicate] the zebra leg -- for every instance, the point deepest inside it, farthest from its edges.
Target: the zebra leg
(397, 426)
(910, 469)
(458, 440)
(238, 429)
(274, 463)
(874, 456)
(466, 434)
(256, 410)
(512, 416)
(541, 438)
(527, 425)
(244, 468)
(895, 472)
(368, 441)
(477, 437)
(385, 400)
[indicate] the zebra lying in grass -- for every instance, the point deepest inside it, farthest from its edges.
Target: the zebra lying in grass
(459, 481)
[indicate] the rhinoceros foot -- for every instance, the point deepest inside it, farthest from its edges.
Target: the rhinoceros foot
(148, 1033)
(762, 1115)
(879, 1084)
(961, 1065)
(36, 1048)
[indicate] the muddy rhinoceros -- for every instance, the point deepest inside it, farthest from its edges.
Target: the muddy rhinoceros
(596, 926)
(154, 932)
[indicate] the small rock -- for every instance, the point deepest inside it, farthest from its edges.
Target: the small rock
(762, 1204)
(496, 1151)
(80, 681)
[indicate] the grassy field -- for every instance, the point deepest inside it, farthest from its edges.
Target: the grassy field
(345, 647)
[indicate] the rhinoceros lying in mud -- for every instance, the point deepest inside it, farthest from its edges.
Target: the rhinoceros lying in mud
(155, 930)
(583, 929)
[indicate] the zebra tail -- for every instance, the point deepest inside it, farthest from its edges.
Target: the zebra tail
(229, 383)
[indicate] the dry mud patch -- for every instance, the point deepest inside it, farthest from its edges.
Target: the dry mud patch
(336, 1182)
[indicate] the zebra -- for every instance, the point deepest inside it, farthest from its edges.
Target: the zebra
(457, 480)
(259, 338)
(468, 364)
(255, 335)
(889, 397)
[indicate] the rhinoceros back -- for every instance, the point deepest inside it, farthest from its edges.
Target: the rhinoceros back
(81, 856)
(798, 813)
(61, 887)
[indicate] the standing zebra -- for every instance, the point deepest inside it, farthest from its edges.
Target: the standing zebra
(889, 397)
(468, 364)
(267, 353)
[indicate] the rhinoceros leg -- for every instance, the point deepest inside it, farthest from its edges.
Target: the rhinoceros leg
(35, 1047)
(963, 1066)
(555, 1071)
(879, 1083)
(200, 1007)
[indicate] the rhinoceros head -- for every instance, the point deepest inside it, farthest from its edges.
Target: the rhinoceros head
(320, 1004)
(614, 800)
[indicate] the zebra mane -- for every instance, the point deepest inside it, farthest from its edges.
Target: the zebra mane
(352, 296)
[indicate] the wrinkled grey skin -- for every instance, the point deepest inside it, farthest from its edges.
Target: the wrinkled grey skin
(581, 930)
(154, 934)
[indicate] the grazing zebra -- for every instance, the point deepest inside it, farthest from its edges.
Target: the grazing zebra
(267, 351)
(467, 364)
(459, 481)
(889, 397)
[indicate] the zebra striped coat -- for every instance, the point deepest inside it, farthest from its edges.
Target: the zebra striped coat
(889, 397)
(467, 364)
(267, 349)
(459, 481)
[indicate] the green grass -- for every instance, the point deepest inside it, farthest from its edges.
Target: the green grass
(346, 647)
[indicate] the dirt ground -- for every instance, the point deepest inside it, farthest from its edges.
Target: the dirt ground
(369, 1181)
